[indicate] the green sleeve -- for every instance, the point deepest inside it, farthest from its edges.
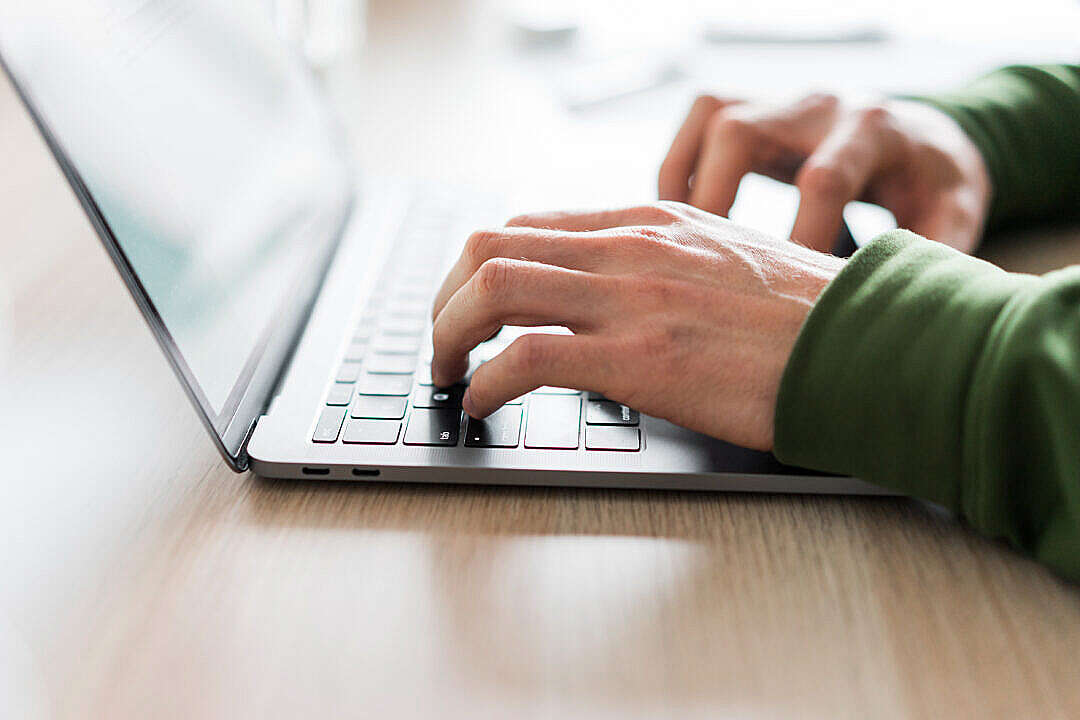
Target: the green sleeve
(1026, 122)
(944, 377)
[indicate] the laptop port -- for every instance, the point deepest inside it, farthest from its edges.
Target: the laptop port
(315, 471)
(365, 472)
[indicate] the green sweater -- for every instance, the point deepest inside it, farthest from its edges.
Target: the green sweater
(944, 377)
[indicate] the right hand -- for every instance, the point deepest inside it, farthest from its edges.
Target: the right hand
(902, 155)
(663, 301)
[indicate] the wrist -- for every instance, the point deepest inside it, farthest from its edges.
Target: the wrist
(792, 301)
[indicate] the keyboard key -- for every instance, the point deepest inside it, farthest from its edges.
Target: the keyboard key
(553, 422)
(413, 310)
(391, 325)
(339, 394)
(396, 345)
(612, 437)
(372, 432)
(548, 390)
(423, 374)
(433, 427)
(412, 293)
(356, 351)
(413, 315)
(415, 332)
(609, 413)
(383, 407)
(329, 424)
(379, 364)
(384, 385)
(596, 397)
(425, 277)
(364, 329)
(428, 396)
(348, 372)
(499, 429)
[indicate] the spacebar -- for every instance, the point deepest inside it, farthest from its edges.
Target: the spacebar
(553, 422)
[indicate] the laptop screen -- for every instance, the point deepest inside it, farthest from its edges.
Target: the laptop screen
(207, 153)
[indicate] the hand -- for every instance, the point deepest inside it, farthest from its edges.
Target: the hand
(902, 155)
(675, 312)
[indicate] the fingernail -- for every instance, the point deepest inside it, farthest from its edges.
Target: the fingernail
(466, 403)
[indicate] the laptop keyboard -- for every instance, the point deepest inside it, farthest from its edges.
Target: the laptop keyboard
(381, 391)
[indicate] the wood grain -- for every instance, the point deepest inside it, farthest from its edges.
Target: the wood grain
(141, 578)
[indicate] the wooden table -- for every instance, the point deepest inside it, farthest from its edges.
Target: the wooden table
(139, 577)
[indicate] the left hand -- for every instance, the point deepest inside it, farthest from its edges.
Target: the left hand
(903, 155)
(675, 312)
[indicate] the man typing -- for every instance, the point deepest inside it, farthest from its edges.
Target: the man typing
(911, 365)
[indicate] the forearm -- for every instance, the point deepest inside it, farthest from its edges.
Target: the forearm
(941, 376)
(1025, 121)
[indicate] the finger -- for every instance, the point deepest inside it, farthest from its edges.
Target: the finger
(585, 251)
(591, 220)
(678, 165)
(756, 139)
(727, 155)
(836, 173)
(510, 292)
(535, 360)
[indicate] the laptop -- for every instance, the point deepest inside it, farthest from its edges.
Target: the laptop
(293, 301)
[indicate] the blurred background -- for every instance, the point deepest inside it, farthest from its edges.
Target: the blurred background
(598, 88)
(566, 103)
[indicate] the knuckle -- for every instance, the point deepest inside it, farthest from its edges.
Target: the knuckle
(650, 234)
(682, 214)
(823, 100)
(493, 277)
(520, 220)
(663, 212)
(706, 101)
(481, 245)
(674, 209)
(730, 127)
(642, 238)
(824, 181)
(872, 117)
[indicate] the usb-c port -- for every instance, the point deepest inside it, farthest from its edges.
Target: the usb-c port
(315, 471)
(365, 472)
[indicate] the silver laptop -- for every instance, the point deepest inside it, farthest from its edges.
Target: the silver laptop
(293, 302)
